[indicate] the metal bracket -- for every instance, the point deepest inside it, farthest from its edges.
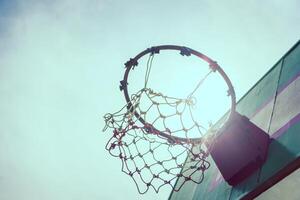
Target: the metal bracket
(213, 66)
(132, 62)
(123, 84)
(154, 50)
(229, 92)
(185, 51)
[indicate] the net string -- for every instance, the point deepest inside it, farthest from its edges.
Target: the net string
(128, 132)
(140, 146)
(148, 69)
(169, 171)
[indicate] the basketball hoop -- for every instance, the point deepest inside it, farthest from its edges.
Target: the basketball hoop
(155, 156)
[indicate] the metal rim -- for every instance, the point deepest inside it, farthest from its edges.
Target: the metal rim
(184, 51)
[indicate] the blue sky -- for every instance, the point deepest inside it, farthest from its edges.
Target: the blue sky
(60, 66)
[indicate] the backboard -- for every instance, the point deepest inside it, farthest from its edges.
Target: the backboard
(273, 104)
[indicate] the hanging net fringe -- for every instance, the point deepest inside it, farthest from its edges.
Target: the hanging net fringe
(148, 148)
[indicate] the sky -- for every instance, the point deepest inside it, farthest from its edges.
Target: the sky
(60, 66)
